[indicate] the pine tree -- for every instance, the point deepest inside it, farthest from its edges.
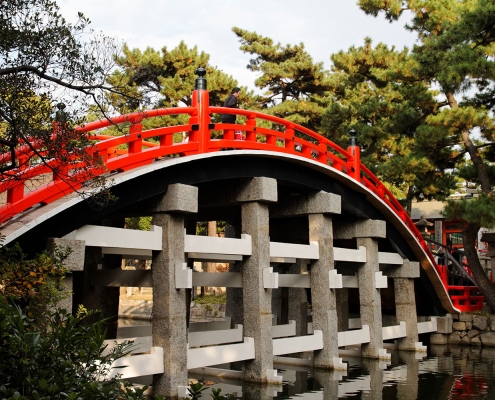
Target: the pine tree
(375, 92)
(455, 50)
(295, 85)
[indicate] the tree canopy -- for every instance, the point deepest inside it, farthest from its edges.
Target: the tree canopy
(374, 91)
(455, 52)
(44, 62)
(295, 85)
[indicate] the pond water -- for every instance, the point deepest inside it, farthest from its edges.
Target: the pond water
(445, 373)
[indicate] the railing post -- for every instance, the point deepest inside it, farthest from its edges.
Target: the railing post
(355, 151)
(136, 146)
(201, 100)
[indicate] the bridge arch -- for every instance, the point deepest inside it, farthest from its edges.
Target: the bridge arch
(292, 168)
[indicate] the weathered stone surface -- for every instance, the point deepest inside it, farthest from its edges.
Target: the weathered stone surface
(480, 322)
(465, 341)
(313, 203)
(476, 341)
(361, 229)
(472, 333)
(459, 326)
(179, 198)
(465, 317)
(488, 339)
(492, 322)
(410, 269)
(438, 338)
(444, 324)
(469, 325)
(258, 189)
(75, 260)
(454, 338)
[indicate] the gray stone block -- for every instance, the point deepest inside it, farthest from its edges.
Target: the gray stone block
(410, 269)
(179, 198)
(459, 326)
(444, 324)
(473, 333)
(488, 339)
(438, 338)
(360, 229)
(314, 203)
(480, 322)
(75, 260)
(476, 341)
(258, 189)
(492, 322)
(454, 338)
(464, 317)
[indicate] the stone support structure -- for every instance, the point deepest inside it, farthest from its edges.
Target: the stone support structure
(256, 299)
(74, 262)
(169, 304)
(366, 233)
(405, 303)
(298, 302)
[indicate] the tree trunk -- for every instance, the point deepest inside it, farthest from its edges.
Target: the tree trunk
(471, 148)
(469, 237)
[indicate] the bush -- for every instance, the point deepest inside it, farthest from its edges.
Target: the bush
(62, 361)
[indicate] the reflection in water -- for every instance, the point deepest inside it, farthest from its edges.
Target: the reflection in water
(447, 373)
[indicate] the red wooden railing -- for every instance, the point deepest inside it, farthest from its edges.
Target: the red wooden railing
(125, 152)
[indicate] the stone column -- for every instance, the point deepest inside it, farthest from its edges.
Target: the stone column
(405, 304)
(256, 299)
(298, 302)
(342, 299)
(366, 233)
(169, 304)
(370, 299)
(319, 207)
(324, 305)
(74, 262)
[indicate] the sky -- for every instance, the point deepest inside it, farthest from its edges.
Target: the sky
(324, 26)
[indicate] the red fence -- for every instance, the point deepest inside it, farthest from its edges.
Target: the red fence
(125, 152)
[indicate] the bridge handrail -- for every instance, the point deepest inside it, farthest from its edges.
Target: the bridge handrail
(318, 148)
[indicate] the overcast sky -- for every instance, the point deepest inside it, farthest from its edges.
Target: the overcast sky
(324, 26)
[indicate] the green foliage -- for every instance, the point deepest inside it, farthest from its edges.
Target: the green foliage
(62, 361)
(44, 60)
(374, 91)
(211, 299)
(196, 392)
(139, 223)
(295, 85)
(157, 79)
(480, 210)
(34, 284)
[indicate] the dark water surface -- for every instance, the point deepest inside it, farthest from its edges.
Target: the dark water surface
(445, 373)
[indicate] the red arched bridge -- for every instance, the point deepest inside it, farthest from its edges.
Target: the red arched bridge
(304, 216)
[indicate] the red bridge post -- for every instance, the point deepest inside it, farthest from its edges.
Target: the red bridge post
(201, 100)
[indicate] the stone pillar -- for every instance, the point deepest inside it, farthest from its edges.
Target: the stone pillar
(370, 299)
(256, 299)
(169, 304)
(319, 207)
(342, 299)
(324, 305)
(298, 302)
(366, 232)
(74, 262)
(405, 304)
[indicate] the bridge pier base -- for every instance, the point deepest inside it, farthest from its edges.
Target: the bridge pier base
(405, 305)
(323, 298)
(169, 303)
